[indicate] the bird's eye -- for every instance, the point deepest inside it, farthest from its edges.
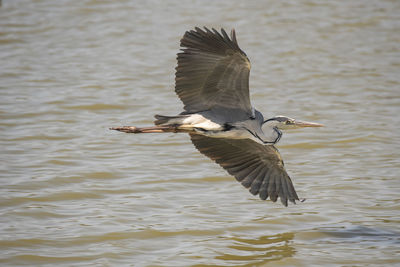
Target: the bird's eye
(288, 122)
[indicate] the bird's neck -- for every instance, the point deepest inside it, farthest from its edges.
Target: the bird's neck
(272, 136)
(269, 136)
(277, 134)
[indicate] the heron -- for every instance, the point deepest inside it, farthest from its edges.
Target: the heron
(212, 81)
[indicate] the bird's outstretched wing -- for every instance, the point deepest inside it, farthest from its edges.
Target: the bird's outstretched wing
(213, 73)
(258, 167)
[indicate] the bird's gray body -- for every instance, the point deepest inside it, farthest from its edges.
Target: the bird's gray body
(212, 80)
(210, 124)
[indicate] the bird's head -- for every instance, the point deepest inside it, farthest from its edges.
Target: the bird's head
(286, 123)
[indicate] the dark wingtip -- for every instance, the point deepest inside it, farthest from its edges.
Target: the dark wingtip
(284, 201)
(233, 36)
(210, 40)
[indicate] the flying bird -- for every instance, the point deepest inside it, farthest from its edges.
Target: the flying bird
(212, 81)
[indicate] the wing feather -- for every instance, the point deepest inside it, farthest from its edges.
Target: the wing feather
(258, 167)
(259, 177)
(263, 192)
(213, 73)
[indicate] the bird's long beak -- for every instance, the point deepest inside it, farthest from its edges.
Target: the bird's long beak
(307, 124)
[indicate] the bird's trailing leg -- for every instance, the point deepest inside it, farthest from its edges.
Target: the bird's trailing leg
(152, 129)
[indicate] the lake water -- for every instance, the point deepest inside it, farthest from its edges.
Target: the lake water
(74, 193)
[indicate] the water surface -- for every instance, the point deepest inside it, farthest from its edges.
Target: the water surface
(74, 193)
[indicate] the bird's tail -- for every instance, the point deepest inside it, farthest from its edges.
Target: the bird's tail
(169, 120)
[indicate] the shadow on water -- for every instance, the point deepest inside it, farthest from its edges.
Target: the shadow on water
(360, 233)
(258, 251)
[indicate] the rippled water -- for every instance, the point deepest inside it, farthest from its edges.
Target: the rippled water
(74, 193)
